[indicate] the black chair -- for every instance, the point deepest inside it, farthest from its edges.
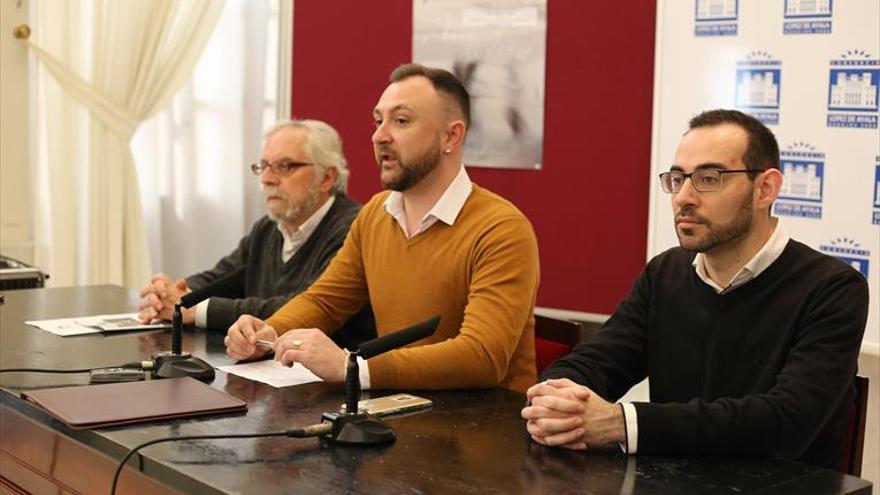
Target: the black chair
(850, 461)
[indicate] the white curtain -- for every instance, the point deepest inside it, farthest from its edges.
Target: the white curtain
(105, 66)
(198, 194)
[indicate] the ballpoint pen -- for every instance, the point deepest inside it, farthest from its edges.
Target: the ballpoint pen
(266, 343)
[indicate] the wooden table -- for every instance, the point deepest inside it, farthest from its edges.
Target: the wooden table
(469, 442)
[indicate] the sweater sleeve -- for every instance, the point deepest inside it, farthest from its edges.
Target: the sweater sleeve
(786, 419)
(500, 302)
(223, 311)
(614, 358)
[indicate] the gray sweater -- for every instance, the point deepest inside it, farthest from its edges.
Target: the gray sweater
(269, 282)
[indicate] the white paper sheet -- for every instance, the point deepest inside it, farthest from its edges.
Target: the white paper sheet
(82, 325)
(272, 373)
(64, 327)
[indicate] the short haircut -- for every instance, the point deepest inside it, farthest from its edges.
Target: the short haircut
(762, 150)
(323, 147)
(443, 81)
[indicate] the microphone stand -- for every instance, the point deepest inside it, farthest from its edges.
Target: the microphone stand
(177, 363)
(352, 427)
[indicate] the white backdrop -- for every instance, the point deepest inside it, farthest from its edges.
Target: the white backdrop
(809, 69)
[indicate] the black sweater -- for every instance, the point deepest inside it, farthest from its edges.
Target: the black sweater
(766, 369)
(269, 282)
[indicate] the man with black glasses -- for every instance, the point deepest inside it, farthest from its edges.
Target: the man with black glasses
(303, 176)
(749, 339)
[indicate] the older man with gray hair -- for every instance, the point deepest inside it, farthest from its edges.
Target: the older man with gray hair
(303, 177)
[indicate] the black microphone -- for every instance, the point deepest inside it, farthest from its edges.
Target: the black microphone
(352, 427)
(399, 338)
(222, 285)
(178, 363)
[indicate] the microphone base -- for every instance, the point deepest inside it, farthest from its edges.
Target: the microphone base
(358, 429)
(170, 365)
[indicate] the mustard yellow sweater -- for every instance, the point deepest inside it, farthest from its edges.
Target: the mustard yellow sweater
(480, 275)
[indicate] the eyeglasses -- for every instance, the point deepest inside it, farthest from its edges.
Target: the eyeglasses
(281, 167)
(704, 180)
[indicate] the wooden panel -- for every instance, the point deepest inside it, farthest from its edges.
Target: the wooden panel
(9, 488)
(42, 461)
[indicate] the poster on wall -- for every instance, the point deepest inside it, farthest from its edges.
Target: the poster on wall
(498, 49)
(808, 69)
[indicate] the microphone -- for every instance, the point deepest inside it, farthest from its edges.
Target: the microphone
(222, 285)
(399, 338)
(352, 427)
(178, 363)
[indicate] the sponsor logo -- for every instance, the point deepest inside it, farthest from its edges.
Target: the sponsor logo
(715, 17)
(875, 215)
(758, 86)
(803, 170)
(850, 252)
(807, 17)
(853, 86)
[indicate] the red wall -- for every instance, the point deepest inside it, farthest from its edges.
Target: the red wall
(589, 204)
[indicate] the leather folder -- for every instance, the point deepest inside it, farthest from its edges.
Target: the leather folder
(111, 404)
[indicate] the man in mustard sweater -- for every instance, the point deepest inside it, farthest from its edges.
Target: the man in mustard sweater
(434, 244)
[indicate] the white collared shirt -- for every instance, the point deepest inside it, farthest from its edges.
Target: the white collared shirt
(446, 210)
(759, 262)
(769, 252)
(295, 240)
(292, 242)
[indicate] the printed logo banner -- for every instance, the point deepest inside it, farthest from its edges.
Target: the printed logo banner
(808, 69)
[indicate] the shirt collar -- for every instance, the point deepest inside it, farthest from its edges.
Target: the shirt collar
(446, 209)
(769, 252)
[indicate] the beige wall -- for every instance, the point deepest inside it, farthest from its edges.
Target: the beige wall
(16, 236)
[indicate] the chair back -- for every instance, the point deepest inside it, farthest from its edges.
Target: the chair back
(850, 461)
(554, 338)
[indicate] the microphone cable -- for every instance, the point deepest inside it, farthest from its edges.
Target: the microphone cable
(309, 431)
(134, 365)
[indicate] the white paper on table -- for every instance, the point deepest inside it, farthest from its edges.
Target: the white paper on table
(64, 327)
(82, 325)
(273, 373)
(121, 322)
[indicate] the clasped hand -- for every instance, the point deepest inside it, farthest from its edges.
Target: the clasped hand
(309, 346)
(562, 413)
(159, 297)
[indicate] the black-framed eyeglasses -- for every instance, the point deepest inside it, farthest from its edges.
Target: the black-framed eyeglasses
(704, 180)
(282, 167)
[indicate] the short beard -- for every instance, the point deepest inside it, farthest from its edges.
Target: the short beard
(411, 173)
(295, 210)
(740, 226)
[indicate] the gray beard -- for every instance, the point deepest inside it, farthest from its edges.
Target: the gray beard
(296, 210)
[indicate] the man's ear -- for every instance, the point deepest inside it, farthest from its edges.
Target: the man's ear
(331, 173)
(454, 135)
(767, 187)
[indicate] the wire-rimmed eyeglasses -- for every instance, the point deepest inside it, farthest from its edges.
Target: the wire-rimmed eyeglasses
(282, 167)
(703, 180)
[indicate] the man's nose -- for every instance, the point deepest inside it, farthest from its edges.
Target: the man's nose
(687, 195)
(268, 177)
(381, 135)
